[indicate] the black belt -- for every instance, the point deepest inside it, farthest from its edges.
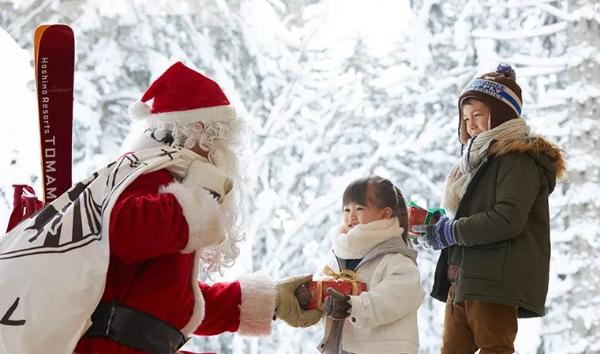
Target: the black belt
(134, 329)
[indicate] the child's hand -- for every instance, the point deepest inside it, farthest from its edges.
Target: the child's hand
(337, 305)
(439, 235)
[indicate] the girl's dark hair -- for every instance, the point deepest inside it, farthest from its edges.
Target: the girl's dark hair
(381, 193)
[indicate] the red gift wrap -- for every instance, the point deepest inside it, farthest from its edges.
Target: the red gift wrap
(421, 216)
(345, 282)
(416, 216)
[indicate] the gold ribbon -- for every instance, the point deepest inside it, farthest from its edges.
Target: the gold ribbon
(345, 275)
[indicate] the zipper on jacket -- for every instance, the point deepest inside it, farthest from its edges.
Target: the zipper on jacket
(468, 191)
(471, 184)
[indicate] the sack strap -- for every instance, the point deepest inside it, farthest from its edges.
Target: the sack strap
(134, 329)
(25, 204)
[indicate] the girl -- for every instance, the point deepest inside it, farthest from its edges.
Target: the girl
(373, 243)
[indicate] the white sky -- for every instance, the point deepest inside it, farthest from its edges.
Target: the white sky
(18, 109)
(380, 24)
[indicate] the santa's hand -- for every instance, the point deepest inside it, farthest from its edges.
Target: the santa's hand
(337, 305)
(288, 308)
(303, 295)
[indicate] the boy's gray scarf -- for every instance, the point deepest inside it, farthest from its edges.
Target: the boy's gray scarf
(477, 149)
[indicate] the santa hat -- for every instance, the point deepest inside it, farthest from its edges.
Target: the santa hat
(499, 91)
(183, 96)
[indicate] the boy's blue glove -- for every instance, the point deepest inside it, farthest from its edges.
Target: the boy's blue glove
(438, 235)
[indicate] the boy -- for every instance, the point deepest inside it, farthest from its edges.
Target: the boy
(495, 244)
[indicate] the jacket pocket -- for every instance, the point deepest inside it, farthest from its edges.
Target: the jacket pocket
(485, 262)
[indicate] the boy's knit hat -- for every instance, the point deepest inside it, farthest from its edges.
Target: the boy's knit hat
(499, 91)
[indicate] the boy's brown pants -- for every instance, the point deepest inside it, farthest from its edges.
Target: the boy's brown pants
(473, 324)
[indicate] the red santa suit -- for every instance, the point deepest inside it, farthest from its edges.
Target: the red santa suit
(158, 226)
(150, 270)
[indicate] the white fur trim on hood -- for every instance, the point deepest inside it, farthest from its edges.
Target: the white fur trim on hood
(258, 304)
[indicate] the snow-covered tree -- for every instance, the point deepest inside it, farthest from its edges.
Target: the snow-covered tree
(320, 113)
(571, 326)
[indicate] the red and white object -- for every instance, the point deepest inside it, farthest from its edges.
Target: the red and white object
(54, 53)
(344, 282)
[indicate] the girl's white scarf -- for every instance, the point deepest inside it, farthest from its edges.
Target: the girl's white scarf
(363, 237)
(477, 149)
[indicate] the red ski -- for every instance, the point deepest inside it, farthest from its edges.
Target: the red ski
(54, 52)
(54, 55)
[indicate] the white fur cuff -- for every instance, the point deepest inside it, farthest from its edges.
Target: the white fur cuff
(258, 304)
(201, 212)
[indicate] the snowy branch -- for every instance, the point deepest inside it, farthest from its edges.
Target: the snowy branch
(521, 34)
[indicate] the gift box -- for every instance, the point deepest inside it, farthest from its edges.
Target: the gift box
(421, 216)
(346, 282)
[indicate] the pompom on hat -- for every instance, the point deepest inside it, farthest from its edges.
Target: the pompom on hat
(499, 91)
(183, 96)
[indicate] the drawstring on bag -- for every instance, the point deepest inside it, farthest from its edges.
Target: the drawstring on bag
(25, 204)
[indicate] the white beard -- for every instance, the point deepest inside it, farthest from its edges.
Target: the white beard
(224, 157)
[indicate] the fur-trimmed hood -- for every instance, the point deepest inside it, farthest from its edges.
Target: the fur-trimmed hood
(548, 155)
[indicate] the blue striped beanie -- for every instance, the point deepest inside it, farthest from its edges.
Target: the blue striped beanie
(499, 91)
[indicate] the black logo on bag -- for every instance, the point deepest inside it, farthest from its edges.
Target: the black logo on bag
(74, 220)
(47, 224)
(6, 318)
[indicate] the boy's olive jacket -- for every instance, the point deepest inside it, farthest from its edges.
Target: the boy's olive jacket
(503, 228)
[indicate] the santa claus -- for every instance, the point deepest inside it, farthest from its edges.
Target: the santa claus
(169, 222)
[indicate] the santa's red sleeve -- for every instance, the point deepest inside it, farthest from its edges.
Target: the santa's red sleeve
(245, 306)
(155, 215)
